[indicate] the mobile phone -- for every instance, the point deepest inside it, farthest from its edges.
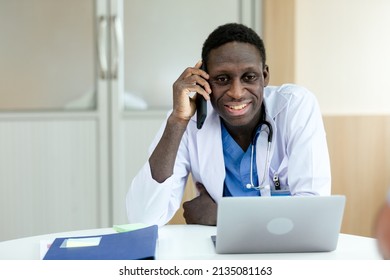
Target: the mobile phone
(201, 106)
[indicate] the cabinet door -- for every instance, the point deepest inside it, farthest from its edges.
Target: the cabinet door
(53, 117)
(46, 54)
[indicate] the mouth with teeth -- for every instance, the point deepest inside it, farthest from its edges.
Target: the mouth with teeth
(237, 109)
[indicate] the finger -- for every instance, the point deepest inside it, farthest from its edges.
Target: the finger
(189, 210)
(198, 84)
(204, 84)
(196, 70)
(201, 188)
(189, 71)
(191, 89)
(198, 64)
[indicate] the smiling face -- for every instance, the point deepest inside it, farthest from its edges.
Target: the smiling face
(237, 80)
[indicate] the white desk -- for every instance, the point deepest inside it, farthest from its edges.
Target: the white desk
(194, 242)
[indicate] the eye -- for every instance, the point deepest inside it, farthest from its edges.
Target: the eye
(222, 79)
(249, 77)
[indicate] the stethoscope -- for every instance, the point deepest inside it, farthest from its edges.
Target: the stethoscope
(267, 166)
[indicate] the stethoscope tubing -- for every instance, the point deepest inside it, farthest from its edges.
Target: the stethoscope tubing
(267, 159)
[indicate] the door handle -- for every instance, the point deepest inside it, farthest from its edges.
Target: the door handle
(117, 45)
(102, 47)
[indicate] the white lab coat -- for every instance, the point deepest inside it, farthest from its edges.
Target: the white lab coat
(299, 155)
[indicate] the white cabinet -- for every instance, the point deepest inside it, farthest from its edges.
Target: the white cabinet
(76, 77)
(54, 164)
(49, 175)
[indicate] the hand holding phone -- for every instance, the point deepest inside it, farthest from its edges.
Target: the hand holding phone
(201, 106)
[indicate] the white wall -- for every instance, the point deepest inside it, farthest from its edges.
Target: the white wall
(342, 54)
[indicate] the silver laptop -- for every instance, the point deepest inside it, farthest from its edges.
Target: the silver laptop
(282, 224)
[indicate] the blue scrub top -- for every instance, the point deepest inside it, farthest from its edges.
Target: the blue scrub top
(237, 166)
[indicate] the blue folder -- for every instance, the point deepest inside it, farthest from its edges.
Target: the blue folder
(138, 244)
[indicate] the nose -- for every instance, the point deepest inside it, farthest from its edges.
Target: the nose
(236, 90)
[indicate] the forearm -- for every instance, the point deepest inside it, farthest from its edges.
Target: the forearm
(163, 158)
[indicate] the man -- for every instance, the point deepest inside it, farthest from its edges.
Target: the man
(382, 229)
(231, 154)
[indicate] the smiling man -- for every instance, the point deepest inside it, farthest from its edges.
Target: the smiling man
(257, 140)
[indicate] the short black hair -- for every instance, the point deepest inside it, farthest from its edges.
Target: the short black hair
(232, 32)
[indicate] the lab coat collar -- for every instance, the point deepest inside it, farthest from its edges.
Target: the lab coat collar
(275, 101)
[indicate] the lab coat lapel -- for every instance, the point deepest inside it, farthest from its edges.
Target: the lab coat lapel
(274, 104)
(210, 154)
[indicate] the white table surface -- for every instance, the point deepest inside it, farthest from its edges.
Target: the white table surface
(193, 242)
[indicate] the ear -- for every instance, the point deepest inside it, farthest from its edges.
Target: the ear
(266, 75)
